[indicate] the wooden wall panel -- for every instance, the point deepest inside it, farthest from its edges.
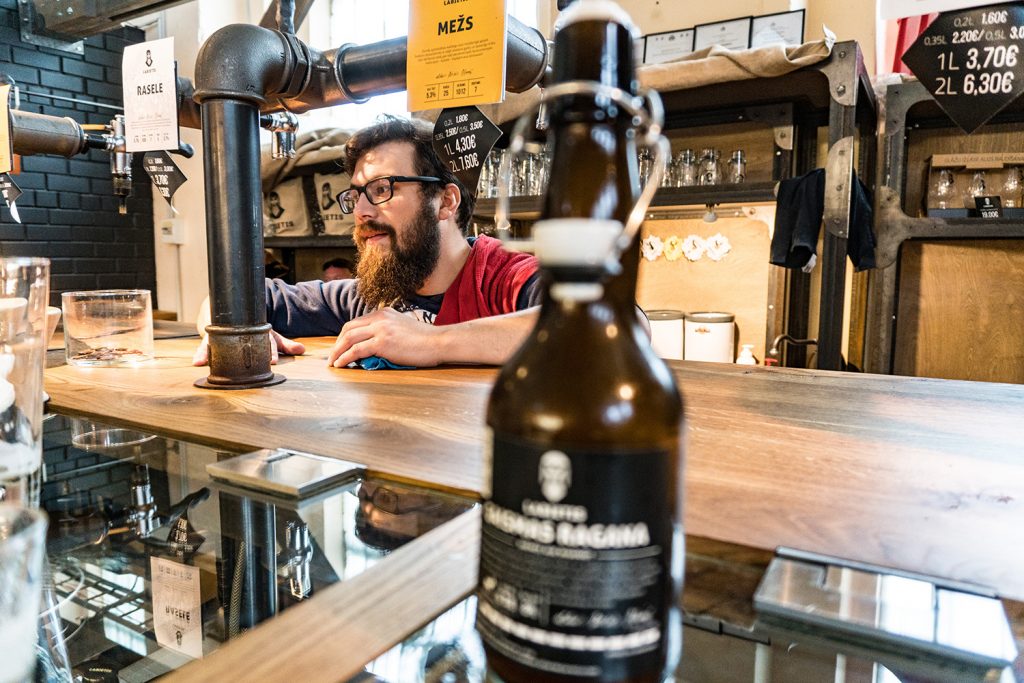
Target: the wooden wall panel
(737, 284)
(961, 310)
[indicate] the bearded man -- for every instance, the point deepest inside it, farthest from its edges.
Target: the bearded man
(424, 293)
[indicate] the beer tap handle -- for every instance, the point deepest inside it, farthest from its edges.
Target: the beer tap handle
(184, 149)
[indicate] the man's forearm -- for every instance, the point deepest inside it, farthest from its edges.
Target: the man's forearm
(488, 341)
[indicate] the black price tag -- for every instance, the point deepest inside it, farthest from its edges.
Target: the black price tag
(971, 62)
(463, 137)
(164, 173)
(10, 191)
(989, 207)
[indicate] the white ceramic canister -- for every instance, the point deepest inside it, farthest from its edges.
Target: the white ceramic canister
(667, 333)
(709, 336)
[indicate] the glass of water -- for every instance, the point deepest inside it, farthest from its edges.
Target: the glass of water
(22, 542)
(24, 294)
(108, 327)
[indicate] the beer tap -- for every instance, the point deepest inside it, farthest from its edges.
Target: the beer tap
(33, 133)
(142, 511)
(120, 163)
(294, 560)
(284, 125)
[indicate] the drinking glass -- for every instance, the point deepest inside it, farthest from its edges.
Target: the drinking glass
(944, 191)
(22, 541)
(108, 327)
(1011, 192)
(24, 292)
(976, 188)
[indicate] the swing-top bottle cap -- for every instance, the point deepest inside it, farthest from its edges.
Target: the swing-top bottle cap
(576, 248)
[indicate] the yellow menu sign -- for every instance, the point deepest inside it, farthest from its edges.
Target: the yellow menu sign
(6, 152)
(456, 53)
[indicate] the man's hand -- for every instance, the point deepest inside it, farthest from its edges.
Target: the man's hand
(388, 334)
(278, 344)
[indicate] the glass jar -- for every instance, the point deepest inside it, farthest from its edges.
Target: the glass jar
(685, 169)
(644, 164)
(737, 166)
(710, 167)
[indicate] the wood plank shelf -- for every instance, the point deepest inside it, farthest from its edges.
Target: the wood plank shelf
(312, 242)
(666, 198)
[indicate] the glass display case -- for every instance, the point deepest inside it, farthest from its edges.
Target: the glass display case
(154, 563)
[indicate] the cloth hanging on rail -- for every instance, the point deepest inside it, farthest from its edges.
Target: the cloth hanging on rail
(800, 207)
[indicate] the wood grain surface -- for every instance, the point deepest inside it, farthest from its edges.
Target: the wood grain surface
(921, 474)
(970, 326)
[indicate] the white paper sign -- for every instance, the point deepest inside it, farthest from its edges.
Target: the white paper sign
(177, 607)
(733, 34)
(786, 28)
(897, 9)
(150, 100)
(664, 47)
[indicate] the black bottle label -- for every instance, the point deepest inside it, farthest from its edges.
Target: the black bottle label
(575, 559)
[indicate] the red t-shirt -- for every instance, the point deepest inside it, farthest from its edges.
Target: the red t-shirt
(488, 284)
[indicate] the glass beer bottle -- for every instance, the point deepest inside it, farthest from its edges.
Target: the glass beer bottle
(582, 547)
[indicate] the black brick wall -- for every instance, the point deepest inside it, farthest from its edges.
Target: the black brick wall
(68, 210)
(76, 478)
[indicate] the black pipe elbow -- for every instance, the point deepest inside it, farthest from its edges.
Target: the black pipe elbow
(250, 64)
(526, 56)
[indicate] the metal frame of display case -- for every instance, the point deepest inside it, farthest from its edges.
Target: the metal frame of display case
(835, 93)
(910, 105)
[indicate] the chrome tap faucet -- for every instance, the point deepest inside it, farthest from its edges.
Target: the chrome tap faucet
(774, 350)
(284, 125)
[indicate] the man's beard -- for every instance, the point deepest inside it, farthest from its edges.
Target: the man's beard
(387, 276)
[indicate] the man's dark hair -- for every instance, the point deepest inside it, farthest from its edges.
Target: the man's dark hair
(338, 263)
(420, 135)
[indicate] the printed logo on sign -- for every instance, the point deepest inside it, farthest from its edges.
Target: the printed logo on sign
(274, 207)
(149, 58)
(555, 475)
(327, 198)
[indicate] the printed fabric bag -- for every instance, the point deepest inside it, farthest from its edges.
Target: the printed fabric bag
(327, 187)
(284, 211)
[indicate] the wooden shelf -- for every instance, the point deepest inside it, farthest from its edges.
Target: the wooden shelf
(313, 242)
(527, 208)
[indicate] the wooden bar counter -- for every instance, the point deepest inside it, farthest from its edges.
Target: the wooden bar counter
(920, 474)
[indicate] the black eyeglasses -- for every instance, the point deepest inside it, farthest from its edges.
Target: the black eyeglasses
(378, 190)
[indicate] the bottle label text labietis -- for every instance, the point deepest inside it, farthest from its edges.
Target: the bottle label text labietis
(575, 559)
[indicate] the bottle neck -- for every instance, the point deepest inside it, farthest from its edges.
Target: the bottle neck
(594, 153)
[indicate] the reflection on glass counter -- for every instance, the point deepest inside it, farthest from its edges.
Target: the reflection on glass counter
(448, 650)
(154, 564)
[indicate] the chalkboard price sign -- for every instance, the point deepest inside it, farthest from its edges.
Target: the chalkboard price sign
(971, 61)
(164, 173)
(463, 137)
(10, 191)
